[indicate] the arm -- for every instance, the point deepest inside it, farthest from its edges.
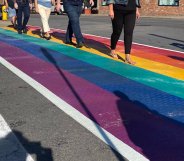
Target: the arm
(111, 11)
(36, 5)
(137, 13)
(58, 5)
(15, 4)
(91, 2)
(30, 4)
(6, 4)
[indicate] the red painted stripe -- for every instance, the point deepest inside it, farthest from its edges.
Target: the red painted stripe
(159, 55)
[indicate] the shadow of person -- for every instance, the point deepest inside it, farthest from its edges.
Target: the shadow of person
(41, 153)
(91, 43)
(13, 148)
(160, 138)
(178, 45)
(177, 58)
(36, 32)
(51, 59)
(10, 149)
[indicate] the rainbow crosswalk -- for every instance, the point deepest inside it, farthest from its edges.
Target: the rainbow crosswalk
(141, 105)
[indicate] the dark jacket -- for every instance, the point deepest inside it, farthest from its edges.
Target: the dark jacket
(122, 2)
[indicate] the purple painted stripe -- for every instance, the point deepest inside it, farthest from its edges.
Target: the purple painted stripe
(81, 94)
(157, 138)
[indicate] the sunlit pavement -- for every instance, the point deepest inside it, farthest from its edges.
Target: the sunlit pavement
(137, 110)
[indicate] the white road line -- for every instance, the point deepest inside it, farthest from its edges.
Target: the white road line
(126, 151)
(10, 148)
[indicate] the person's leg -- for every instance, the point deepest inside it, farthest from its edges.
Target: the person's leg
(12, 15)
(129, 25)
(117, 25)
(69, 33)
(26, 10)
(73, 13)
(19, 18)
(44, 14)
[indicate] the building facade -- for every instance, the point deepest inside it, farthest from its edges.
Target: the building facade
(153, 7)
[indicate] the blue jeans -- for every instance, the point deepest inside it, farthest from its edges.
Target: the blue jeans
(26, 10)
(73, 11)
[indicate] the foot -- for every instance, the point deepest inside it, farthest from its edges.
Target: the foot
(41, 34)
(79, 45)
(128, 60)
(25, 30)
(15, 26)
(69, 43)
(113, 54)
(19, 31)
(47, 36)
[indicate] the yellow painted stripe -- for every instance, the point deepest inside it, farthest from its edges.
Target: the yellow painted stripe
(146, 64)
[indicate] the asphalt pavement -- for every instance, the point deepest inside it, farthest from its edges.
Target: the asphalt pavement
(47, 133)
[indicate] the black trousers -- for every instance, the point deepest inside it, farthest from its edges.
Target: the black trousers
(123, 19)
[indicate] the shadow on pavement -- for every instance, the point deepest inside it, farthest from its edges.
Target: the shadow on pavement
(160, 138)
(178, 45)
(100, 46)
(13, 151)
(53, 61)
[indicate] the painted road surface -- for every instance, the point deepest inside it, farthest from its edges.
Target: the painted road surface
(137, 110)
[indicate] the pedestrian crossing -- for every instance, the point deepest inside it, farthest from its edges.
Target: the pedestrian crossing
(131, 103)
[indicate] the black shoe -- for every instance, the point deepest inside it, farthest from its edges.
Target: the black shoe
(25, 31)
(47, 37)
(79, 45)
(70, 43)
(86, 45)
(19, 31)
(15, 26)
(41, 34)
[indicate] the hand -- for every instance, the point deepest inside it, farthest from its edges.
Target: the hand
(137, 14)
(111, 14)
(58, 7)
(91, 2)
(15, 5)
(30, 5)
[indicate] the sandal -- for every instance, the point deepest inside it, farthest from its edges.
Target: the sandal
(113, 54)
(129, 61)
(47, 37)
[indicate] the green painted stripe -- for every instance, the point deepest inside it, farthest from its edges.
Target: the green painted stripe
(158, 81)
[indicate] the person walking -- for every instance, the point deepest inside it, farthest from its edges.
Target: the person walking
(73, 8)
(23, 7)
(11, 12)
(43, 7)
(123, 14)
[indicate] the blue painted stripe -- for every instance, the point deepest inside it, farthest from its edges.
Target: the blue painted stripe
(165, 104)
